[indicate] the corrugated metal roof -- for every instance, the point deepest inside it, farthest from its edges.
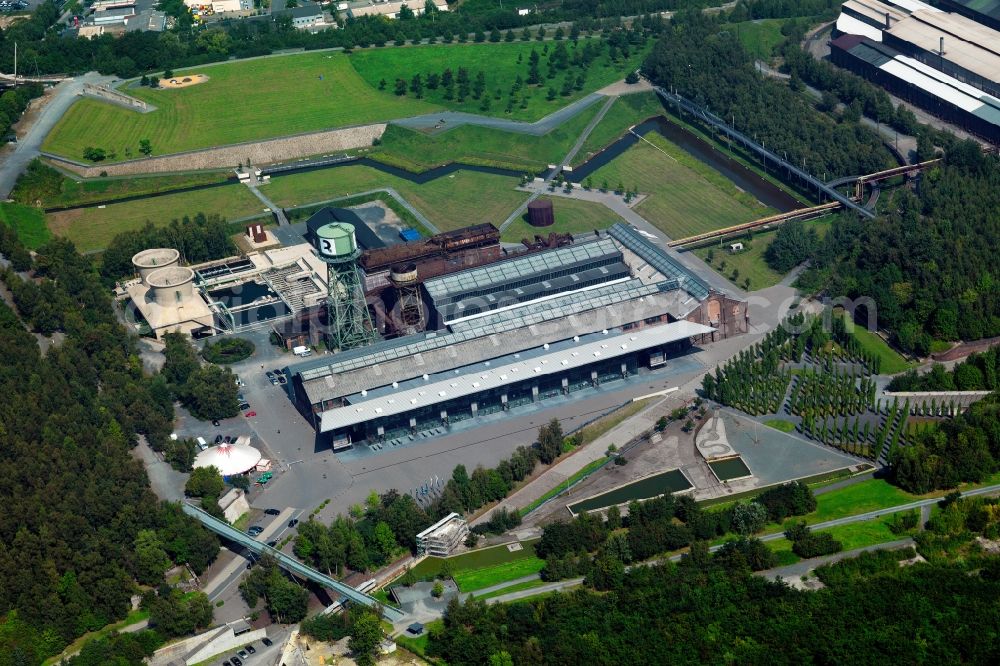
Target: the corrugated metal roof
(577, 356)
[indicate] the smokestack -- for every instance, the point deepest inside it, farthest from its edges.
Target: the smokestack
(887, 26)
(941, 46)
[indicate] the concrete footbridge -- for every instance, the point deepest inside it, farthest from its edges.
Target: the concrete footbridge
(289, 563)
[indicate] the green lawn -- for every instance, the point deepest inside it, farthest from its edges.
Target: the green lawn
(759, 37)
(77, 645)
(627, 111)
(28, 221)
(418, 645)
(477, 579)
(451, 202)
(780, 424)
(684, 196)
(861, 534)
(748, 264)
(500, 64)
(516, 587)
(76, 192)
(242, 101)
(892, 362)
(572, 216)
(471, 144)
(476, 559)
(92, 228)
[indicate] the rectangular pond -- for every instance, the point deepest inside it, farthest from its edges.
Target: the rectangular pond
(730, 468)
(652, 486)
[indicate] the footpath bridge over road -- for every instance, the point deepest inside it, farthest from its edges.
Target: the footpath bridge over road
(289, 563)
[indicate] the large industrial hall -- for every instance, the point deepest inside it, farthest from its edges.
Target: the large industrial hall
(481, 329)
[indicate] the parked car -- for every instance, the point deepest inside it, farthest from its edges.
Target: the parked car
(218, 438)
(215, 422)
(273, 543)
(272, 512)
(254, 530)
(270, 375)
(244, 406)
(227, 439)
(251, 649)
(278, 372)
(267, 641)
(293, 522)
(282, 380)
(243, 654)
(227, 663)
(239, 396)
(250, 415)
(237, 661)
(274, 381)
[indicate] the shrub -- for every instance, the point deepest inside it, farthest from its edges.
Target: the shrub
(228, 350)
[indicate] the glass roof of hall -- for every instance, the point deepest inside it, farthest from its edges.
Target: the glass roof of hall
(491, 324)
(659, 259)
(513, 269)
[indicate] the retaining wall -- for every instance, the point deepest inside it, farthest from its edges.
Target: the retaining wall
(115, 97)
(259, 153)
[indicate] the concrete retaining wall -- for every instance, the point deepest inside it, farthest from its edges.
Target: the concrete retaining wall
(115, 97)
(224, 643)
(259, 153)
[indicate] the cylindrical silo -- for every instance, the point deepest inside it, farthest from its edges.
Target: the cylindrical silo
(147, 261)
(172, 286)
(336, 241)
(540, 213)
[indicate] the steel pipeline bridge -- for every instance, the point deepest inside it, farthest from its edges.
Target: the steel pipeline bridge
(288, 563)
(768, 156)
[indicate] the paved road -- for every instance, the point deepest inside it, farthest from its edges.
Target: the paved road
(541, 589)
(28, 148)
(453, 119)
(805, 566)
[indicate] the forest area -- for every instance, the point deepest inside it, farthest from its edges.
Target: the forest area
(81, 532)
(711, 609)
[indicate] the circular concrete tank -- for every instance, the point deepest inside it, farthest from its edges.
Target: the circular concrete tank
(147, 261)
(540, 213)
(172, 286)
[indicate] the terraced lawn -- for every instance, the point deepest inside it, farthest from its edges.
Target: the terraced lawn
(242, 101)
(684, 196)
(477, 579)
(451, 202)
(482, 558)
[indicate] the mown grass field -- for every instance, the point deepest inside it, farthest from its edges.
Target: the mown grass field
(759, 37)
(451, 202)
(241, 101)
(483, 558)
(471, 144)
(749, 263)
(684, 196)
(477, 579)
(573, 216)
(892, 362)
(92, 228)
(28, 222)
(627, 111)
(501, 64)
(78, 192)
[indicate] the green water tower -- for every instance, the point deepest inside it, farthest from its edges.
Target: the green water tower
(350, 321)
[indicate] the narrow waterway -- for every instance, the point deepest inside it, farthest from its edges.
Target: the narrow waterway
(742, 177)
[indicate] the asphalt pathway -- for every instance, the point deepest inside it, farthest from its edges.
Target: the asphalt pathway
(29, 147)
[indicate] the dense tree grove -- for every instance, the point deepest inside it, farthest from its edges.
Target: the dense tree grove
(792, 244)
(979, 372)
(966, 448)
(711, 610)
(80, 524)
(286, 600)
(201, 238)
(928, 263)
(709, 66)
(208, 391)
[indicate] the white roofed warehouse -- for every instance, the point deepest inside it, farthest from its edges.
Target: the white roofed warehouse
(554, 323)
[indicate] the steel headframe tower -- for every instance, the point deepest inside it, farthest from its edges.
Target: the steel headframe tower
(411, 308)
(350, 322)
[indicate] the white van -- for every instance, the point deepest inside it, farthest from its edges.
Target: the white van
(202, 444)
(302, 351)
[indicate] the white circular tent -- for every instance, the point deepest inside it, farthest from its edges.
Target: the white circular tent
(229, 459)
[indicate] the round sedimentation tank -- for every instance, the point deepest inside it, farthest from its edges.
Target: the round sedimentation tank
(336, 241)
(147, 261)
(540, 213)
(172, 286)
(404, 274)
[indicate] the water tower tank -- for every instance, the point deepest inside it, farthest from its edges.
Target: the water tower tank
(404, 274)
(336, 241)
(540, 213)
(172, 286)
(147, 261)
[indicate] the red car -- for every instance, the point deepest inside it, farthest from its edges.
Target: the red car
(250, 414)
